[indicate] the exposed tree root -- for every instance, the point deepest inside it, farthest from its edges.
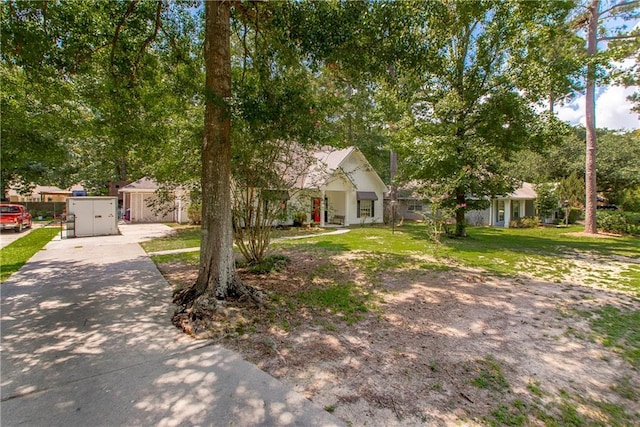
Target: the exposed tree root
(196, 311)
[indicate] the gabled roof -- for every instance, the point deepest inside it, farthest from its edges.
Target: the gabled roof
(407, 190)
(525, 191)
(328, 161)
(143, 184)
(333, 158)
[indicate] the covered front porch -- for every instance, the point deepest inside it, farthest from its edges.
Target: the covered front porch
(503, 211)
(330, 208)
(343, 208)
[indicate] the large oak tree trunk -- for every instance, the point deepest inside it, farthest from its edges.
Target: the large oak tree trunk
(217, 273)
(590, 107)
(217, 277)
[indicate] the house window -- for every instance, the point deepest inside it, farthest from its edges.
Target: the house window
(500, 212)
(366, 204)
(366, 209)
(515, 209)
(414, 205)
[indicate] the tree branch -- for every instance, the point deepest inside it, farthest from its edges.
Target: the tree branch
(146, 43)
(629, 37)
(619, 5)
(116, 35)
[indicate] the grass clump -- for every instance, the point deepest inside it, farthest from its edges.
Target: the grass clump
(534, 388)
(619, 330)
(15, 255)
(190, 258)
(575, 410)
(509, 415)
(268, 264)
(341, 299)
(627, 388)
(489, 375)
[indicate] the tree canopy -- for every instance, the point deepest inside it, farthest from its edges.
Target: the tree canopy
(468, 111)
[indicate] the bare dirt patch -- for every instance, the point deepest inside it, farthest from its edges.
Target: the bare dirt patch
(599, 235)
(435, 347)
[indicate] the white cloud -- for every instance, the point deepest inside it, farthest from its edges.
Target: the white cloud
(613, 110)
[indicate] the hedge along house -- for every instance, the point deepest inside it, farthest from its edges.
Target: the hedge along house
(141, 203)
(504, 209)
(340, 187)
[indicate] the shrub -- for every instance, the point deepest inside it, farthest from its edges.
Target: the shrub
(574, 215)
(269, 264)
(618, 222)
(547, 201)
(299, 219)
(630, 200)
(525, 222)
(195, 214)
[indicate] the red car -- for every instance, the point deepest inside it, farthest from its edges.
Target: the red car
(14, 217)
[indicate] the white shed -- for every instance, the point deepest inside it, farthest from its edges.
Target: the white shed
(92, 216)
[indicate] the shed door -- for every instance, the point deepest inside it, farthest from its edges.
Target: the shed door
(84, 214)
(104, 217)
(94, 217)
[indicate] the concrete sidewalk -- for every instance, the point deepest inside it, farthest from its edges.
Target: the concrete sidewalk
(87, 340)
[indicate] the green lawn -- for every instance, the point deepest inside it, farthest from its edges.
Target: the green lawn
(504, 243)
(548, 253)
(15, 255)
(188, 237)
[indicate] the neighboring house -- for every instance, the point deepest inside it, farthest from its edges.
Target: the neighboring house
(501, 211)
(140, 203)
(44, 193)
(410, 205)
(340, 187)
(504, 209)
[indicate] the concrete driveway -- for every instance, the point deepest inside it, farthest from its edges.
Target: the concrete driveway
(87, 340)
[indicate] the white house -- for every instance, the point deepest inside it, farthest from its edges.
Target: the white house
(504, 209)
(140, 203)
(341, 187)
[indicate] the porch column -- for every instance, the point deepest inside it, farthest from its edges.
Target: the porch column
(492, 219)
(322, 208)
(346, 208)
(124, 204)
(507, 213)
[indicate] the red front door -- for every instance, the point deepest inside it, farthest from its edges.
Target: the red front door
(316, 209)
